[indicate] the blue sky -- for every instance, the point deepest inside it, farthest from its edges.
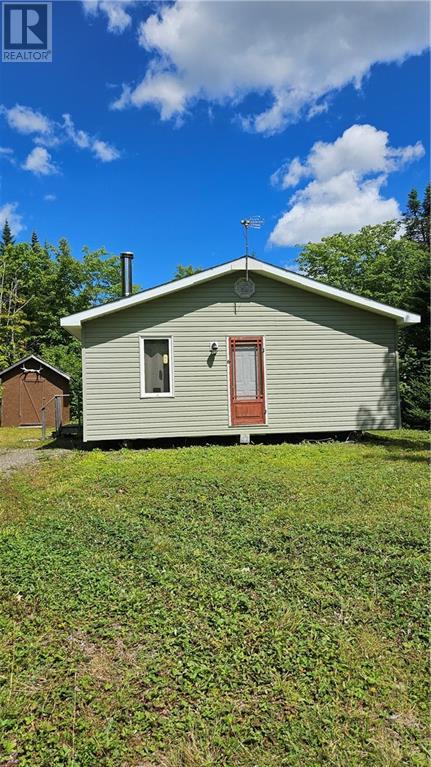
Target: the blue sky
(206, 114)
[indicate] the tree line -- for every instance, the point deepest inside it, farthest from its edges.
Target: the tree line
(389, 262)
(39, 284)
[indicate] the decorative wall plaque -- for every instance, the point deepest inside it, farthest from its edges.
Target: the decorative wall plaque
(244, 288)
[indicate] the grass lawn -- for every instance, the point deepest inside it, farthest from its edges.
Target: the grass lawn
(12, 437)
(261, 606)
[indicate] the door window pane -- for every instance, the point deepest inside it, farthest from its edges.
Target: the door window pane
(246, 370)
(157, 364)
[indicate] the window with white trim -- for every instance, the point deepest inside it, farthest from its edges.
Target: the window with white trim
(156, 367)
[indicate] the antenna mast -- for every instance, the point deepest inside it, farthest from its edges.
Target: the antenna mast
(254, 222)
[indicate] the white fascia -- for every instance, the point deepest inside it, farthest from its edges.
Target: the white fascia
(73, 322)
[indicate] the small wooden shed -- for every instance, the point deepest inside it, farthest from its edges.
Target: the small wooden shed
(27, 386)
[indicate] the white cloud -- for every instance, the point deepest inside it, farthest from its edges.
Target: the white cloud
(105, 152)
(6, 153)
(114, 10)
(26, 120)
(50, 197)
(160, 88)
(101, 149)
(340, 205)
(344, 192)
(362, 149)
(49, 133)
(289, 174)
(39, 162)
(51, 140)
(294, 52)
(317, 109)
(8, 213)
(79, 137)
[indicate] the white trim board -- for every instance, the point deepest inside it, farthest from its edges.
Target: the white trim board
(73, 322)
(160, 395)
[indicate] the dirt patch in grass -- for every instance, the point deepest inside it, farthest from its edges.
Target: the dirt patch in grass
(13, 459)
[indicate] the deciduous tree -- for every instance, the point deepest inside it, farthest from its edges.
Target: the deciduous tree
(38, 286)
(378, 263)
(186, 271)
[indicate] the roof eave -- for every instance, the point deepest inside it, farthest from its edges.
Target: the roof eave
(74, 330)
(410, 319)
(41, 362)
(320, 288)
(73, 323)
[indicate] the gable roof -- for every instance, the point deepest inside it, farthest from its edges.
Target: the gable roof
(73, 322)
(40, 361)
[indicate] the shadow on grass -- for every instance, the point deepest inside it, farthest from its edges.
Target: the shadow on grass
(410, 457)
(396, 446)
(168, 443)
(397, 443)
(65, 443)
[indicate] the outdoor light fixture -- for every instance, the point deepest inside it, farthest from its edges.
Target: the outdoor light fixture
(213, 347)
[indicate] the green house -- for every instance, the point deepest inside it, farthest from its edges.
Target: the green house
(242, 348)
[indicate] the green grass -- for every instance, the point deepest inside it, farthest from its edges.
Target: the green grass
(12, 437)
(261, 606)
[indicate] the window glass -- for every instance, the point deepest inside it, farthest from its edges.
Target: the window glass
(246, 370)
(157, 366)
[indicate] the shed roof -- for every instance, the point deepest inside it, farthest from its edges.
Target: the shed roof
(40, 361)
(73, 322)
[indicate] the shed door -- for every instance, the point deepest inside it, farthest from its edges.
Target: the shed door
(247, 381)
(31, 399)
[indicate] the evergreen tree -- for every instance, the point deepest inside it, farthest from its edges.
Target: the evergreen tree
(34, 241)
(7, 238)
(417, 218)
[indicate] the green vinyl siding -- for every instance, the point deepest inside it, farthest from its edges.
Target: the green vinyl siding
(329, 366)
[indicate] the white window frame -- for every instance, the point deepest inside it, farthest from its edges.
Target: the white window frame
(158, 337)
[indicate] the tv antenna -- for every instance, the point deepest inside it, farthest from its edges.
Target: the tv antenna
(254, 222)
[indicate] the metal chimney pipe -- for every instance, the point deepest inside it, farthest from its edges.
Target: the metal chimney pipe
(126, 273)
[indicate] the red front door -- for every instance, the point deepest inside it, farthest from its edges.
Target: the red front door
(247, 381)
